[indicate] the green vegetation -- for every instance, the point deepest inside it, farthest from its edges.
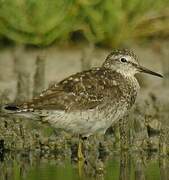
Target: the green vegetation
(109, 22)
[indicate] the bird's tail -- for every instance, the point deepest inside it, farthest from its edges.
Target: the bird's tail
(16, 110)
(10, 108)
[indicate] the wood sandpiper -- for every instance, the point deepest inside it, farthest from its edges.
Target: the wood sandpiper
(91, 101)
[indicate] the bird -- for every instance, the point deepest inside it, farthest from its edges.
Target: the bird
(90, 101)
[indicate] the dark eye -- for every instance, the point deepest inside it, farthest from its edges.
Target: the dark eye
(123, 60)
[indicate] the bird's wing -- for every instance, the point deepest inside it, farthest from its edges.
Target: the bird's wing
(82, 91)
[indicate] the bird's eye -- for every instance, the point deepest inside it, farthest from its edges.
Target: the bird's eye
(123, 60)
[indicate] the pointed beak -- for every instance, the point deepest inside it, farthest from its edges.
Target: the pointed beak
(145, 70)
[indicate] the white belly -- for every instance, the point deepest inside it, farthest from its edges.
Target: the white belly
(86, 122)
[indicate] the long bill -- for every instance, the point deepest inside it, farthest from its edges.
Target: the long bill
(145, 70)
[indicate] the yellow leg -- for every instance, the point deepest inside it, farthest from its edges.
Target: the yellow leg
(80, 154)
(81, 158)
(81, 168)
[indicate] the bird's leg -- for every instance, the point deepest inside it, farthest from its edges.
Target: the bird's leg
(80, 154)
(81, 158)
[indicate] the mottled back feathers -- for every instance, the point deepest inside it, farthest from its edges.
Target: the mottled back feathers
(81, 91)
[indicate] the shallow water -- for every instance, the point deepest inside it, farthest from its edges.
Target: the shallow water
(123, 166)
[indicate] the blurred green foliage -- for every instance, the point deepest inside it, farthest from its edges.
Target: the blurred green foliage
(36, 21)
(108, 22)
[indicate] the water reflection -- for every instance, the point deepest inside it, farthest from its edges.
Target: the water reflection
(122, 166)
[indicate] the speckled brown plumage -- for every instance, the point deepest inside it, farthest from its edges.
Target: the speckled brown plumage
(81, 91)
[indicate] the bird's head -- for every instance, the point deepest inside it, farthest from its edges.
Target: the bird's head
(126, 62)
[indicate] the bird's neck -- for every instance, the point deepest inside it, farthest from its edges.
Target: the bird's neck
(133, 81)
